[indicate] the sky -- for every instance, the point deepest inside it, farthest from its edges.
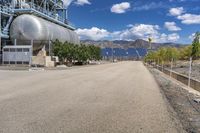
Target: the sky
(161, 20)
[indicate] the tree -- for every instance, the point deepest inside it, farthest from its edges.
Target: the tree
(163, 55)
(172, 53)
(150, 41)
(83, 53)
(186, 52)
(151, 57)
(69, 52)
(196, 46)
(58, 49)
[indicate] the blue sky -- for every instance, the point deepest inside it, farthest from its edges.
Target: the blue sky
(162, 20)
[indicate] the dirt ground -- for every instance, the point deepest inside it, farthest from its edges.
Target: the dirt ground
(183, 68)
(181, 100)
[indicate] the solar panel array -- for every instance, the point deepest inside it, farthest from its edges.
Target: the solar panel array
(118, 52)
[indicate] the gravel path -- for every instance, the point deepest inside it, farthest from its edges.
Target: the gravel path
(181, 99)
(111, 98)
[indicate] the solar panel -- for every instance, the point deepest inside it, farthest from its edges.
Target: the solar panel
(119, 52)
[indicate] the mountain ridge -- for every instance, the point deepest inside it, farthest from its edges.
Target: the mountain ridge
(139, 43)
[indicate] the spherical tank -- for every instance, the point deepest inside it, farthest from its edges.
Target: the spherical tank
(29, 27)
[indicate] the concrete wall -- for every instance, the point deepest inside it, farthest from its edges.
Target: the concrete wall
(195, 84)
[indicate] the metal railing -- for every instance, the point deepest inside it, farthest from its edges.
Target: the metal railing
(42, 12)
(5, 9)
(33, 6)
(187, 80)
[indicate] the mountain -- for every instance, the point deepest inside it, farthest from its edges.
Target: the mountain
(139, 43)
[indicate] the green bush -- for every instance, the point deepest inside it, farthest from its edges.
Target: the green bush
(68, 52)
(196, 46)
(186, 52)
(163, 55)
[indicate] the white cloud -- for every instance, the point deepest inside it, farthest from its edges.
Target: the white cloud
(129, 25)
(189, 18)
(186, 18)
(149, 6)
(171, 26)
(191, 37)
(121, 7)
(67, 2)
(94, 33)
(139, 31)
(173, 37)
(82, 2)
(144, 31)
(176, 11)
(78, 2)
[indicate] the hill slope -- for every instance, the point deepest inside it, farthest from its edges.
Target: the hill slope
(130, 44)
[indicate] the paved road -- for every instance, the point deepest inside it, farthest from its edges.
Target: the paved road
(111, 98)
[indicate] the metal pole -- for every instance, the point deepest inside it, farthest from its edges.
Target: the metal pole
(15, 42)
(0, 34)
(171, 67)
(49, 48)
(112, 54)
(190, 71)
(31, 54)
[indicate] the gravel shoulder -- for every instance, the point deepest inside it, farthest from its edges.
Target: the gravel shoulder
(181, 100)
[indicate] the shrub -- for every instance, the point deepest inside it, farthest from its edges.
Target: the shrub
(68, 52)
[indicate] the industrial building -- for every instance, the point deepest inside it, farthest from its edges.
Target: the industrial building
(29, 26)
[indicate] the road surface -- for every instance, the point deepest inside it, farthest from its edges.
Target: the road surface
(111, 98)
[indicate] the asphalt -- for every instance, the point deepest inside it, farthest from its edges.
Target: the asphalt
(112, 98)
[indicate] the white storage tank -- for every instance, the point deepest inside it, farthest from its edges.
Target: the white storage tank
(28, 27)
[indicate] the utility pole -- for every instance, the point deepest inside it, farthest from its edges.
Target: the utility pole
(150, 43)
(0, 34)
(171, 67)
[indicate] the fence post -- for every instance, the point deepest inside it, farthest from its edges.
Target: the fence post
(31, 54)
(190, 71)
(171, 67)
(162, 66)
(158, 64)
(15, 42)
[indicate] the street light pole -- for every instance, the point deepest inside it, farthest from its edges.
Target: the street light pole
(0, 34)
(0, 31)
(112, 51)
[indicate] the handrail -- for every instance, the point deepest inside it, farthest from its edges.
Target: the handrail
(5, 9)
(8, 10)
(42, 10)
